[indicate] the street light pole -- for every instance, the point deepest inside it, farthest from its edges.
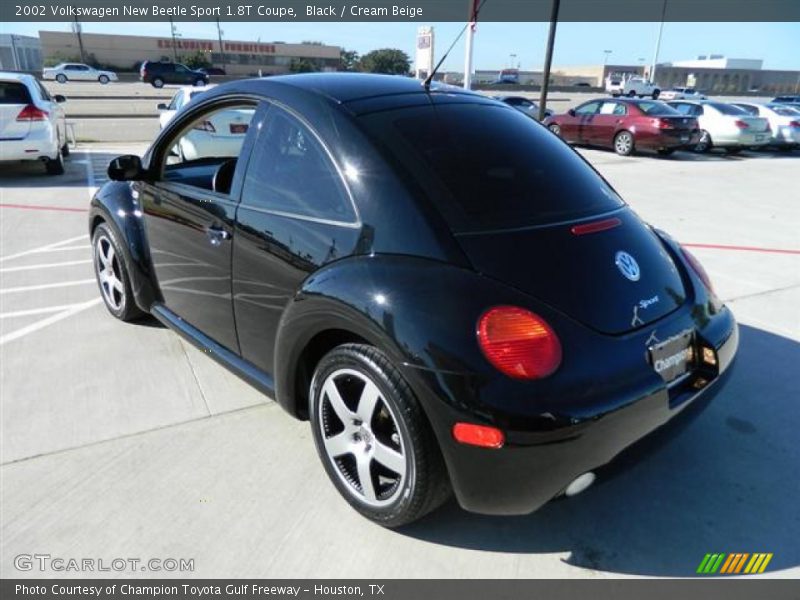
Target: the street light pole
(473, 6)
(221, 47)
(174, 43)
(80, 39)
(658, 43)
(548, 59)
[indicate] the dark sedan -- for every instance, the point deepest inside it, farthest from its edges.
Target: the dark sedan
(525, 106)
(626, 126)
(451, 295)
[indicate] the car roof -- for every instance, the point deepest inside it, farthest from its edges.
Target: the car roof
(13, 76)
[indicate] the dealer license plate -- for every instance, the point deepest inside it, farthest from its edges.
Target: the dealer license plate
(674, 357)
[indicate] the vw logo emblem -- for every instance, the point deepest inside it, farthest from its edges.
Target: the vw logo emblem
(627, 265)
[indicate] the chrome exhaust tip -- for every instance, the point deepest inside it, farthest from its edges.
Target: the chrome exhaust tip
(579, 484)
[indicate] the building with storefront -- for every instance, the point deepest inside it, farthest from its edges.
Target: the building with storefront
(126, 52)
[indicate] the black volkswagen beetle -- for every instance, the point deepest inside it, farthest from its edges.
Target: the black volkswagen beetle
(450, 294)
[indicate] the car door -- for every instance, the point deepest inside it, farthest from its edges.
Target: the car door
(183, 75)
(585, 115)
(80, 73)
(295, 215)
(605, 123)
(189, 208)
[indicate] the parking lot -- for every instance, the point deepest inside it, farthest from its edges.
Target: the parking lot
(121, 440)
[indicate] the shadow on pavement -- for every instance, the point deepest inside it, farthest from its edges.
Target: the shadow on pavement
(726, 481)
(31, 174)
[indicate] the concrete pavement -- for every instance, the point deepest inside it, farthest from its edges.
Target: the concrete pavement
(121, 440)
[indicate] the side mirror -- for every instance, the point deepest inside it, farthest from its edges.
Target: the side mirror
(162, 106)
(59, 98)
(571, 112)
(127, 167)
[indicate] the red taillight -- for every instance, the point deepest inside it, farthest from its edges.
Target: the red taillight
(32, 113)
(518, 343)
(795, 124)
(664, 124)
(206, 126)
(741, 124)
(478, 435)
(698, 269)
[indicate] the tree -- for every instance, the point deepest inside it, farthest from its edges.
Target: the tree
(302, 65)
(198, 60)
(348, 60)
(386, 60)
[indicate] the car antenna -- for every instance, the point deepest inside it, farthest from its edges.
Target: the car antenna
(429, 78)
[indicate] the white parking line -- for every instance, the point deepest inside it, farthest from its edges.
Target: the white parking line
(46, 266)
(47, 286)
(36, 311)
(49, 321)
(49, 247)
(60, 248)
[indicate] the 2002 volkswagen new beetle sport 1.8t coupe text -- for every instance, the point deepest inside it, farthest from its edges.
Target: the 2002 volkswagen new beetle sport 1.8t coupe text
(449, 293)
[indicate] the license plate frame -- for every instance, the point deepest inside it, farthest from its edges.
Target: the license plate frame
(675, 357)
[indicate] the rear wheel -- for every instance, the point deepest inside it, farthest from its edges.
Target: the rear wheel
(704, 144)
(103, 79)
(623, 143)
(555, 128)
(111, 271)
(372, 436)
(157, 82)
(55, 166)
(656, 94)
(199, 82)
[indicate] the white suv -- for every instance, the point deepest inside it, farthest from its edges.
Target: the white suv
(32, 123)
(632, 86)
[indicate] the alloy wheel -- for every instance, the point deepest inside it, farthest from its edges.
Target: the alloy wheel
(555, 129)
(623, 144)
(109, 274)
(361, 437)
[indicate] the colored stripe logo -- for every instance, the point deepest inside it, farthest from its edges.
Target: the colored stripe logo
(736, 563)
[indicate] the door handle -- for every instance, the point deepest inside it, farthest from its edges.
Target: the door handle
(216, 235)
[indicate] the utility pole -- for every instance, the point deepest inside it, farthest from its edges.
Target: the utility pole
(548, 59)
(14, 55)
(658, 43)
(174, 42)
(77, 27)
(468, 49)
(221, 47)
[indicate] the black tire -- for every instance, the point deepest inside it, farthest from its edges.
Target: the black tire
(199, 82)
(55, 166)
(624, 143)
(555, 128)
(119, 302)
(704, 144)
(632, 93)
(103, 79)
(157, 82)
(61, 78)
(396, 422)
(656, 94)
(666, 151)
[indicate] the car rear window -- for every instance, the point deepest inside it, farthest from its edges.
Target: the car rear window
(785, 111)
(13, 92)
(488, 167)
(657, 108)
(727, 109)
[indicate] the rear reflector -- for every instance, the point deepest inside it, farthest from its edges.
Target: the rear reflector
(478, 435)
(795, 124)
(595, 226)
(32, 113)
(518, 343)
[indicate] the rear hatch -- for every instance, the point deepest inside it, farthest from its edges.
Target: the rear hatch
(754, 124)
(14, 97)
(511, 193)
(587, 275)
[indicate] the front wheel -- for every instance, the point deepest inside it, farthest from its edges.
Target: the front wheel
(158, 82)
(111, 271)
(632, 94)
(656, 94)
(704, 144)
(103, 79)
(199, 82)
(555, 128)
(623, 143)
(61, 78)
(373, 438)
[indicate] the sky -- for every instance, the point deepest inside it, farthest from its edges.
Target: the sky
(778, 44)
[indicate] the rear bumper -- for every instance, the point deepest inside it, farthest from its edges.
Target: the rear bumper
(36, 145)
(535, 466)
(742, 139)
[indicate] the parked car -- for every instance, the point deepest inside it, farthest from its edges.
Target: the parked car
(32, 123)
(159, 73)
(452, 296)
(180, 99)
(524, 105)
(724, 125)
(632, 87)
(791, 100)
(213, 71)
(681, 93)
(64, 72)
(625, 125)
(784, 121)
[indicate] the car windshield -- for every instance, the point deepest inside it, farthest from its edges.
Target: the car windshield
(657, 109)
(490, 168)
(727, 109)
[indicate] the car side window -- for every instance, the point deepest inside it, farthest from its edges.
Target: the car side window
(290, 173)
(204, 152)
(44, 93)
(180, 69)
(176, 102)
(698, 110)
(620, 109)
(589, 108)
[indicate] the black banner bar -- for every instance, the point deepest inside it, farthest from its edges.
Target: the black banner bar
(421, 11)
